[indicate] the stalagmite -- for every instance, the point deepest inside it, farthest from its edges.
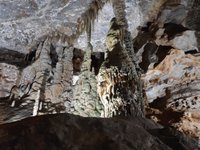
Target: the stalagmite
(36, 104)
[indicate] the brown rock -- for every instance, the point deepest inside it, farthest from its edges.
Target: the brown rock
(63, 131)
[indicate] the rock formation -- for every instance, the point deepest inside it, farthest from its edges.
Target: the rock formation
(173, 88)
(101, 58)
(64, 131)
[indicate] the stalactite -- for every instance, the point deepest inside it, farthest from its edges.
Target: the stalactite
(113, 91)
(88, 18)
(68, 67)
(120, 14)
(87, 102)
(43, 67)
(67, 79)
(36, 104)
(53, 75)
(59, 65)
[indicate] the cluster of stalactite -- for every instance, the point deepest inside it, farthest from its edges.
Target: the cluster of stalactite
(118, 81)
(47, 79)
(119, 26)
(113, 90)
(117, 85)
(86, 99)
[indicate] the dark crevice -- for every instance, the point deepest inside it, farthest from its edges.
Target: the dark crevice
(160, 103)
(31, 56)
(148, 56)
(168, 116)
(161, 53)
(192, 51)
(153, 54)
(173, 138)
(77, 60)
(145, 34)
(97, 60)
(13, 58)
(114, 58)
(53, 56)
(197, 34)
(172, 29)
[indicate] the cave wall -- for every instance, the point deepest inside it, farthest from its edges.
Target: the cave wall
(38, 62)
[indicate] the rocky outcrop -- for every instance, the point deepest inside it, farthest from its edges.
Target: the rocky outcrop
(63, 131)
(171, 76)
(172, 91)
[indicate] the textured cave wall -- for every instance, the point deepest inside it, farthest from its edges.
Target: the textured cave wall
(168, 52)
(38, 62)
